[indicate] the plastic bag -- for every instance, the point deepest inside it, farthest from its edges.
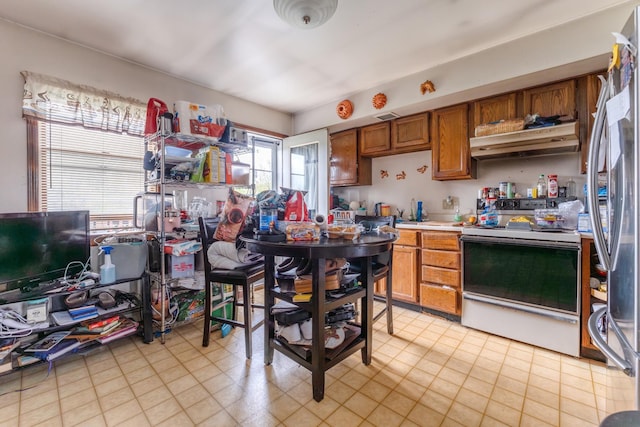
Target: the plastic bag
(296, 208)
(569, 212)
(234, 213)
(155, 109)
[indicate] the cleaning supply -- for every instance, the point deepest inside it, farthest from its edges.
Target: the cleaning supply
(419, 212)
(107, 270)
(457, 217)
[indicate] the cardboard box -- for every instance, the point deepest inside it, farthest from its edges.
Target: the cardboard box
(181, 266)
(211, 171)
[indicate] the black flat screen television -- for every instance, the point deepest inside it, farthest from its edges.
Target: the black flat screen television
(36, 247)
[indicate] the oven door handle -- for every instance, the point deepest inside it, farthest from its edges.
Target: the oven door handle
(520, 242)
(520, 307)
(622, 362)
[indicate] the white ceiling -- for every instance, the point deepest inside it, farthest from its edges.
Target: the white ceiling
(242, 48)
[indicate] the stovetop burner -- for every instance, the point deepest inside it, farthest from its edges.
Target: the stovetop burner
(521, 204)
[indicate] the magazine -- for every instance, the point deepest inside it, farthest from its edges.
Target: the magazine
(48, 342)
(63, 347)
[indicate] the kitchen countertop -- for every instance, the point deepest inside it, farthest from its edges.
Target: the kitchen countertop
(430, 225)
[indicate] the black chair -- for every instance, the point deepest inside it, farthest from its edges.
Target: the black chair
(242, 281)
(381, 266)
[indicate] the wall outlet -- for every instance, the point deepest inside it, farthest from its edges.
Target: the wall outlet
(450, 202)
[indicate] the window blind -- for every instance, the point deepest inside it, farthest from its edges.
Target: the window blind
(90, 169)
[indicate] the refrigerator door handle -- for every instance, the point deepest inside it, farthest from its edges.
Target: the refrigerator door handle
(622, 362)
(592, 176)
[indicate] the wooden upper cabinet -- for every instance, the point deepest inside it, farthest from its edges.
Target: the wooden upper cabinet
(410, 133)
(451, 156)
(551, 100)
(489, 110)
(588, 92)
(375, 139)
(346, 167)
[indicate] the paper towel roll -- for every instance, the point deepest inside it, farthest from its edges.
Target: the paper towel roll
(320, 221)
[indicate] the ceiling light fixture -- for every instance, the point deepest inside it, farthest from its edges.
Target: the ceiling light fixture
(305, 14)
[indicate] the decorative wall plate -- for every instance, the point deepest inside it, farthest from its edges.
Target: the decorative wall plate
(427, 86)
(344, 109)
(379, 100)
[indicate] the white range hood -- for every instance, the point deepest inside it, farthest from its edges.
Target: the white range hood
(562, 138)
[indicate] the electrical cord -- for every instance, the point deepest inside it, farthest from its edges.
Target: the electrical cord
(13, 325)
(172, 308)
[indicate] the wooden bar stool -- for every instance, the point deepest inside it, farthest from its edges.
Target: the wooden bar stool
(381, 267)
(242, 280)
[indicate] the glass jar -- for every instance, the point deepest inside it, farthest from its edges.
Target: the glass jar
(571, 188)
(541, 187)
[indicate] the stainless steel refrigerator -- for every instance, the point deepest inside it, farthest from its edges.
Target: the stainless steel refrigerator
(614, 149)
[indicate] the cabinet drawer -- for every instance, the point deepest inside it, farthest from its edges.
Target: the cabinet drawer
(447, 259)
(439, 298)
(442, 276)
(408, 238)
(442, 240)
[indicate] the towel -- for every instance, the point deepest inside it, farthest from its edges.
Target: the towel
(224, 255)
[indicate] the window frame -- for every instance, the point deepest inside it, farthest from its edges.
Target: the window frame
(35, 177)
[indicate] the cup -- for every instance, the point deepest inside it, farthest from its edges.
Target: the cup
(385, 210)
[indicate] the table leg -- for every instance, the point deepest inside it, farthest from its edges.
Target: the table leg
(317, 323)
(269, 321)
(389, 301)
(366, 276)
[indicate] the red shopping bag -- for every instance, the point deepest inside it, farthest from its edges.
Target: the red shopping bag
(155, 109)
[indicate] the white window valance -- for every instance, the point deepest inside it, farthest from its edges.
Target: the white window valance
(56, 100)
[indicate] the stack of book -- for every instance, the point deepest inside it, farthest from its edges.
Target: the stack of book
(7, 345)
(104, 330)
(127, 327)
(83, 313)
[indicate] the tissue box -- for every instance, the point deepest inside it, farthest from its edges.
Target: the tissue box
(199, 120)
(584, 223)
(181, 266)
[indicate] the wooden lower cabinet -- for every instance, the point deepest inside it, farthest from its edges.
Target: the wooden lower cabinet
(405, 278)
(406, 267)
(439, 298)
(441, 275)
(587, 348)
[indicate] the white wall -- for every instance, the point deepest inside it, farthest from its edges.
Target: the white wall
(399, 192)
(24, 49)
(578, 47)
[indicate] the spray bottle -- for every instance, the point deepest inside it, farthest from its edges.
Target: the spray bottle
(107, 270)
(419, 212)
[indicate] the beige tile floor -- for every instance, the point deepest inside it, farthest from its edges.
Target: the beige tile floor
(431, 372)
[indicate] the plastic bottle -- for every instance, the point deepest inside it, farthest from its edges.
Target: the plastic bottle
(457, 217)
(419, 212)
(553, 186)
(541, 186)
(107, 270)
(412, 214)
(571, 188)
